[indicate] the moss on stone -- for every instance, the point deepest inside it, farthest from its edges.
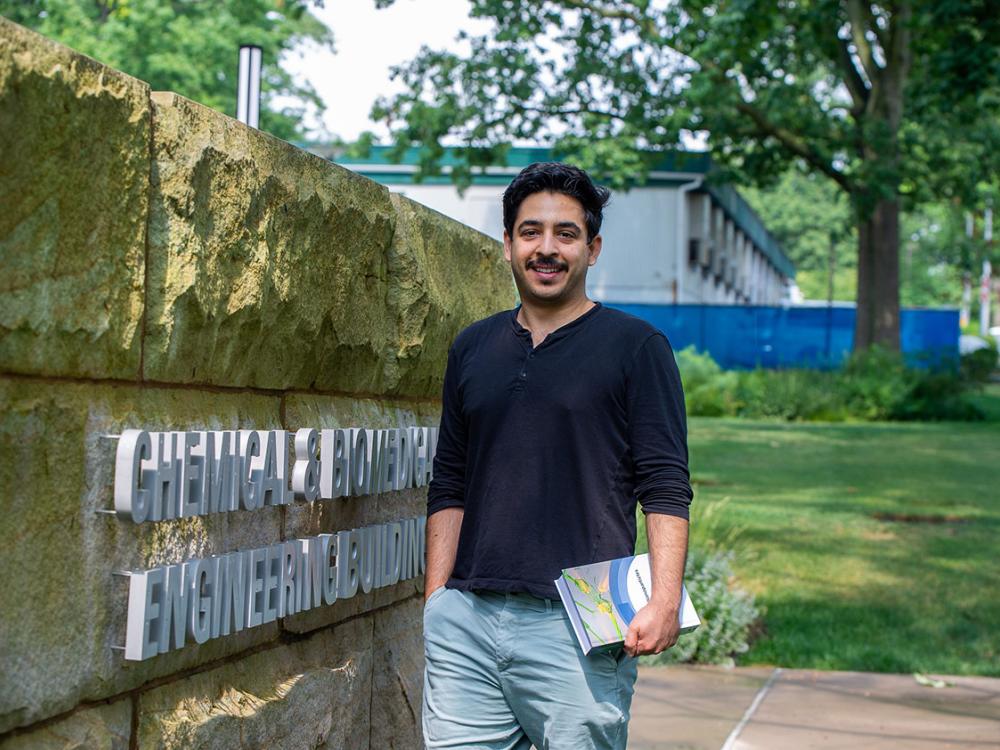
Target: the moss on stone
(74, 173)
(267, 264)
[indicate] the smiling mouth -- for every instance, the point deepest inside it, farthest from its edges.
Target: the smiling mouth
(546, 267)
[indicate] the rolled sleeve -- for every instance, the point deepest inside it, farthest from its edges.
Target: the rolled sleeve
(447, 486)
(658, 430)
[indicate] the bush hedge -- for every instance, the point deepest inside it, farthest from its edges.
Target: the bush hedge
(726, 613)
(871, 386)
(979, 366)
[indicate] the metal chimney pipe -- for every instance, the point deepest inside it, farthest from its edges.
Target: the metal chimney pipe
(248, 92)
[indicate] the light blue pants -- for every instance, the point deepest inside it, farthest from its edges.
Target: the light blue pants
(504, 671)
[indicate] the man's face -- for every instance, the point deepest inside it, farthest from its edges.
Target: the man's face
(548, 253)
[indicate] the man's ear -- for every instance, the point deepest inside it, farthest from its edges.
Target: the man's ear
(506, 246)
(594, 248)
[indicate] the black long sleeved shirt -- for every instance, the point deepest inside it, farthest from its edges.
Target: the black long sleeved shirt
(548, 449)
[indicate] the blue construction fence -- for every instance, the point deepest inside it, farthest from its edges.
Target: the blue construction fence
(744, 337)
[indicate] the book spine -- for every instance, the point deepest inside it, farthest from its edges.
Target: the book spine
(574, 616)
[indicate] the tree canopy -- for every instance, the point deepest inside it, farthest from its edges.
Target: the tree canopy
(188, 47)
(811, 220)
(882, 99)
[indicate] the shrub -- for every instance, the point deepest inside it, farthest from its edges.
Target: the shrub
(937, 396)
(715, 398)
(872, 385)
(696, 369)
(708, 391)
(726, 613)
(789, 394)
(978, 366)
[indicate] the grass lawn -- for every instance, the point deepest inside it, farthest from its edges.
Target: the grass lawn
(870, 546)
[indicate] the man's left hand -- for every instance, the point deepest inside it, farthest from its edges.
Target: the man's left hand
(654, 628)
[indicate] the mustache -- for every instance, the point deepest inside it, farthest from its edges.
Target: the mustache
(559, 265)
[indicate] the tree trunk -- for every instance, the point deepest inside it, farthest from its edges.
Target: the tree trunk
(877, 320)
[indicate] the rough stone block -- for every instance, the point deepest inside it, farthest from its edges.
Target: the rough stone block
(398, 676)
(61, 610)
(314, 693)
(274, 268)
(444, 277)
(74, 178)
(100, 728)
(267, 263)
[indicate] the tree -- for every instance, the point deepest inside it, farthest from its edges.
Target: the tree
(819, 83)
(811, 219)
(935, 253)
(938, 254)
(188, 47)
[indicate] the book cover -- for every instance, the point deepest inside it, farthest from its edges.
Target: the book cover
(602, 598)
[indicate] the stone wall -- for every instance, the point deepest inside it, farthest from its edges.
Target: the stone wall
(166, 267)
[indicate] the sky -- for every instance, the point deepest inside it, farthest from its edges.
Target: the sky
(368, 42)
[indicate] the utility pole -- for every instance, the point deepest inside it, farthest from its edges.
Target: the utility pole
(987, 269)
(984, 299)
(965, 315)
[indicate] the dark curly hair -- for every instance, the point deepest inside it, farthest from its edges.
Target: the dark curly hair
(548, 176)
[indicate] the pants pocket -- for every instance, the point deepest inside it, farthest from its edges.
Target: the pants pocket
(435, 595)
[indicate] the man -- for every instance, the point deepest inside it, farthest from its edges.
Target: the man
(557, 417)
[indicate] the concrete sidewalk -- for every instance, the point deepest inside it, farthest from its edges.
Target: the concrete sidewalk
(711, 708)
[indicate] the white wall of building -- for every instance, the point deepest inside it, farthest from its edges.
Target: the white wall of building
(479, 207)
(639, 260)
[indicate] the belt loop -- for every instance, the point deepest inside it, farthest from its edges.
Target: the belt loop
(548, 605)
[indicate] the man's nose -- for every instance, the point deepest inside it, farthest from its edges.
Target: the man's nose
(548, 244)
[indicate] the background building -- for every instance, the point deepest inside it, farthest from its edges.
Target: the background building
(676, 239)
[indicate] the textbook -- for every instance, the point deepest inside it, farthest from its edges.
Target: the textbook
(601, 599)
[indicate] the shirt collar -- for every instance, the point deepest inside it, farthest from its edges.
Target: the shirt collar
(560, 332)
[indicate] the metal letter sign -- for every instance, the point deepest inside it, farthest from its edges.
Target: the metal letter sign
(166, 475)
